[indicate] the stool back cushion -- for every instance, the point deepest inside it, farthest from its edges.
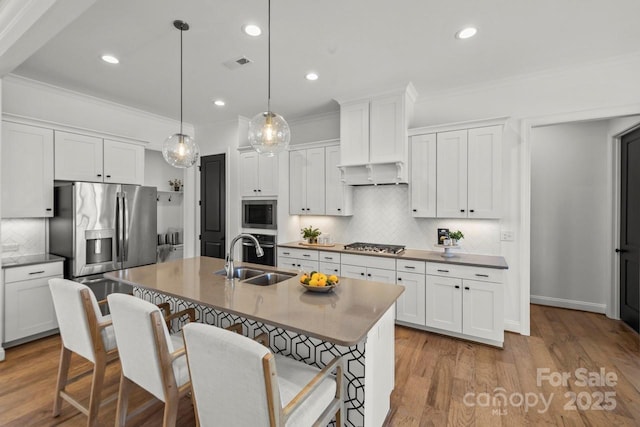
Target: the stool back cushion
(135, 337)
(227, 377)
(72, 319)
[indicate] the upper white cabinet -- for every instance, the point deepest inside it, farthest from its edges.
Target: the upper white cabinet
(258, 175)
(87, 158)
(457, 173)
(373, 133)
(423, 175)
(307, 182)
(27, 171)
(339, 197)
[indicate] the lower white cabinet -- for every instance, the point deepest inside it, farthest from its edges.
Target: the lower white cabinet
(444, 303)
(376, 269)
(410, 306)
(298, 259)
(483, 310)
(28, 304)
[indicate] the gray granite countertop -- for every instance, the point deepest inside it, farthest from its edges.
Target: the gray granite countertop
(25, 260)
(488, 261)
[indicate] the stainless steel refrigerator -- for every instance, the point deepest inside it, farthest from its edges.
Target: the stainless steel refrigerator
(103, 227)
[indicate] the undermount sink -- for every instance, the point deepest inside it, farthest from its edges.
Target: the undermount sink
(269, 278)
(241, 273)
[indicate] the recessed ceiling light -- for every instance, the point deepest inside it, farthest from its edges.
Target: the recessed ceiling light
(311, 76)
(466, 33)
(219, 102)
(110, 59)
(252, 30)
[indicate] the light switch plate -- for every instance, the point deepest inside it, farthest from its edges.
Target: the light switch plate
(506, 236)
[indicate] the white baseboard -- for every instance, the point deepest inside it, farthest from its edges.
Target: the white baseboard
(512, 326)
(567, 303)
(1, 354)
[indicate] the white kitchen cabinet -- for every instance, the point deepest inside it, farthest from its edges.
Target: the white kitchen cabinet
(329, 262)
(465, 300)
(123, 163)
(469, 173)
(423, 176)
(27, 171)
(92, 159)
(258, 175)
(329, 268)
(377, 269)
(410, 307)
(307, 182)
(338, 196)
(444, 303)
(354, 132)
(298, 259)
(29, 307)
(78, 157)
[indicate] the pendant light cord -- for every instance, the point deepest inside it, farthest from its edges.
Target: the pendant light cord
(181, 31)
(269, 59)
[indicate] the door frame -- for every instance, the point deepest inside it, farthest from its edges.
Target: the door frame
(526, 127)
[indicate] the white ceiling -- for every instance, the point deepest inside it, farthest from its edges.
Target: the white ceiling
(356, 46)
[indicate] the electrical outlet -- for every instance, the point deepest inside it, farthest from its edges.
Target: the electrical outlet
(506, 236)
(10, 247)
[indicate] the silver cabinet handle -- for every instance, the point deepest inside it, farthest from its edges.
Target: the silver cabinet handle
(37, 272)
(306, 255)
(328, 257)
(482, 275)
(443, 271)
(411, 267)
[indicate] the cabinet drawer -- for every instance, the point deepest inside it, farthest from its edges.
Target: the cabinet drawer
(411, 266)
(466, 272)
(17, 274)
(329, 268)
(369, 261)
(329, 256)
(306, 254)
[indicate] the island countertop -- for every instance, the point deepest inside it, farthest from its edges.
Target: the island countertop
(343, 316)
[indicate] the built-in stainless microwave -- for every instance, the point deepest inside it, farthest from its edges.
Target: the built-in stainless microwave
(260, 214)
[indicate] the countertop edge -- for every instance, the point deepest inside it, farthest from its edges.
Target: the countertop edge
(31, 260)
(430, 256)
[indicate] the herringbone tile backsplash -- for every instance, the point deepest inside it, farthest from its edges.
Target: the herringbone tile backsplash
(382, 215)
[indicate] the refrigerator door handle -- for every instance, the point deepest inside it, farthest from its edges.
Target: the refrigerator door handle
(125, 226)
(119, 230)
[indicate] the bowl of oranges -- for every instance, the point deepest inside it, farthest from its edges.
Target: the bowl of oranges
(319, 282)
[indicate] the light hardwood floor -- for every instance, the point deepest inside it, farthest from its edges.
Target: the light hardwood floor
(433, 375)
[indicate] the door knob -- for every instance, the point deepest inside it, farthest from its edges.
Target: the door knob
(620, 251)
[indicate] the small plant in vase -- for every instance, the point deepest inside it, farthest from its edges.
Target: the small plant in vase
(455, 236)
(176, 184)
(311, 234)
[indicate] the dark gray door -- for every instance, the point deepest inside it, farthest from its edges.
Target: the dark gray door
(630, 230)
(213, 207)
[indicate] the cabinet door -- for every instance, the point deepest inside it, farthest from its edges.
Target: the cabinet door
(339, 197)
(483, 310)
(354, 271)
(78, 157)
(27, 171)
(354, 133)
(297, 182)
(387, 138)
(289, 263)
(307, 265)
(248, 174)
(268, 175)
(381, 275)
(410, 307)
(315, 181)
(485, 172)
(443, 309)
(452, 174)
(29, 308)
(330, 268)
(123, 163)
(423, 176)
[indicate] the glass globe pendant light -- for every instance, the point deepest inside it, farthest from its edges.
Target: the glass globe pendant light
(269, 132)
(180, 150)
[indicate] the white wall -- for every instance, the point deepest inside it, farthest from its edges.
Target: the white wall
(571, 216)
(157, 173)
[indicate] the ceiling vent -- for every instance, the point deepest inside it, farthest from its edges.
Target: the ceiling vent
(236, 63)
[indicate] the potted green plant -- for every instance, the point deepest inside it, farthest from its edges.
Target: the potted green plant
(176, 184)
(455, 236)
(311, 234)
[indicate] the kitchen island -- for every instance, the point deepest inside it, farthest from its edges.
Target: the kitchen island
(355, 320)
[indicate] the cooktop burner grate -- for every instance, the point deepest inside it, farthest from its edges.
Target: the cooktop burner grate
(374, 247)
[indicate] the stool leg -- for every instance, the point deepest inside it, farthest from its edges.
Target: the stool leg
(96, 388)
(123, 401)
(63, 373)
(170, 412)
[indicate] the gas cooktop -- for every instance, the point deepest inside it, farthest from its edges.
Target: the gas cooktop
(374, 247)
